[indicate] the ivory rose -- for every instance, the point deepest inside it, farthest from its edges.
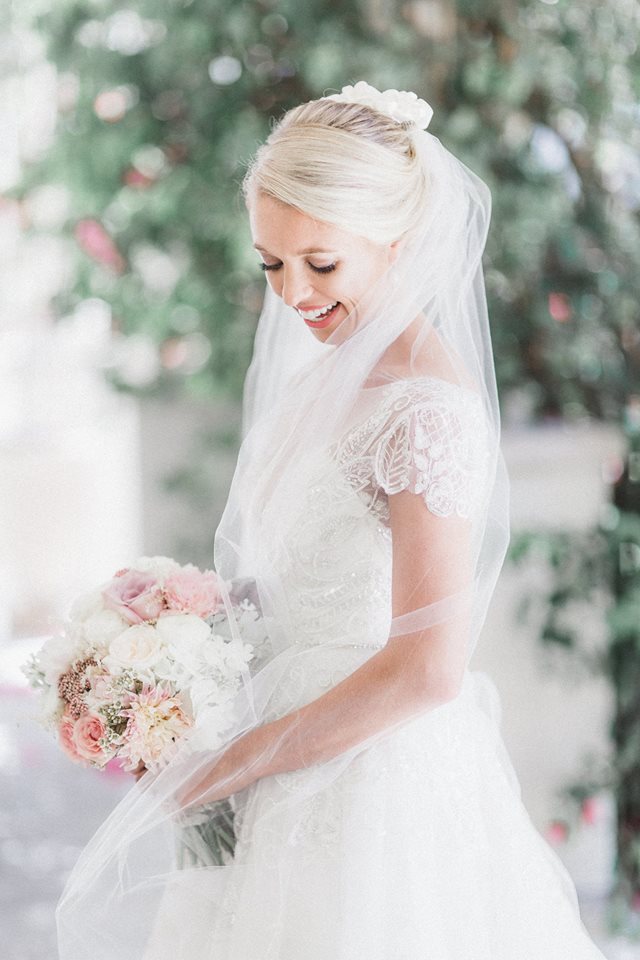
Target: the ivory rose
(136, 647)
(135, 595)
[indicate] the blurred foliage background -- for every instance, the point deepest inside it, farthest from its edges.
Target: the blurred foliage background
(161, 104)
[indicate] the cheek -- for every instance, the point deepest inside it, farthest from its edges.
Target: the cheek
(274, 281)
(355, 284)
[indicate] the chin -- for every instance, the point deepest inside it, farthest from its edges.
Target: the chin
(322, 335)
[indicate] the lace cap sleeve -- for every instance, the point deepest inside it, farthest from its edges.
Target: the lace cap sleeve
(435, 444)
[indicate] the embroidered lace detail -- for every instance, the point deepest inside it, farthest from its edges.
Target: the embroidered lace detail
(336, 572)
(427, 436)
(424, 435)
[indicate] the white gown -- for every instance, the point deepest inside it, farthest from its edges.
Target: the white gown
(421, 848)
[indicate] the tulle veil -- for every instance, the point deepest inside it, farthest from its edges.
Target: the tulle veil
(300, 397)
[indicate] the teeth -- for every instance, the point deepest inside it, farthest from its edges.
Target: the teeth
(316, 314)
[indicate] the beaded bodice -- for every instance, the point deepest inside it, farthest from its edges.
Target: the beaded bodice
(425, 435)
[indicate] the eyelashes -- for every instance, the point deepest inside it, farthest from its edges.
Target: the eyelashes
(276, 266)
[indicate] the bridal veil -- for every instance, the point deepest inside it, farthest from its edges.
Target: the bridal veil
(301, 399)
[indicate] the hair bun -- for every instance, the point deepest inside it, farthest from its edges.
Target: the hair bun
(403, 106)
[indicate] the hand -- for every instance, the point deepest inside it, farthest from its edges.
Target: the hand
(236, 769)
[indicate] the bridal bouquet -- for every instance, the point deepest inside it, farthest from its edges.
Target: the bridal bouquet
(140, 659)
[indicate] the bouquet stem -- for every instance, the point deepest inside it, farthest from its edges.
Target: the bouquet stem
(209, 842)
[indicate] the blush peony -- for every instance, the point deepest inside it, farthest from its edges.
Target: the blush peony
(192, 591)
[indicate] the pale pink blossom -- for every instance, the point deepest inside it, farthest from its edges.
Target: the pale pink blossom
(191, 591)
(135, 595)
(66, 738)
(156, 722)
(101, 689)
(88, 730)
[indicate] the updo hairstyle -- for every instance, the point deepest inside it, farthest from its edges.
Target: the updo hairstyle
(345, 164)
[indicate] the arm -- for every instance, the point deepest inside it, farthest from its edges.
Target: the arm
(412, 674)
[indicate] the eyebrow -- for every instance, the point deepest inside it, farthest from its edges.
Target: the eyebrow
(300, 253)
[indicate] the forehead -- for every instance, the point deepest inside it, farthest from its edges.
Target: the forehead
(276, 225)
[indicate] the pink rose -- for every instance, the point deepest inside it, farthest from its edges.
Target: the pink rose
(65, 734)
(192, 591)
(86, 734)
(135, 595)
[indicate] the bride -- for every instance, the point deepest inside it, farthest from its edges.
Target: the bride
(376, 812)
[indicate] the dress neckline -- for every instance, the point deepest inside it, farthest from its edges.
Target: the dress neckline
(417, 379)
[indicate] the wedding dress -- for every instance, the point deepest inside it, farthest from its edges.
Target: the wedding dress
(421, 848)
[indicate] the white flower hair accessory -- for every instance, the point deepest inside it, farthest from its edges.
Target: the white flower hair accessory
(403, 106)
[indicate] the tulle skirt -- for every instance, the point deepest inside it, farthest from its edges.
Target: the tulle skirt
(420, 849)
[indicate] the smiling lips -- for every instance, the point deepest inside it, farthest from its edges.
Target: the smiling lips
(320, 316)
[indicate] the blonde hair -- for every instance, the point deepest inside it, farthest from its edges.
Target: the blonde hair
(345, 164)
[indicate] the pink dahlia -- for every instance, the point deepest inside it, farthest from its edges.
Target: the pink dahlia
(156, 723)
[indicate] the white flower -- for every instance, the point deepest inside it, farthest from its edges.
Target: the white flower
(185, 637)
(183, 630)
(232, 655)
(86, 605)
(159, 566)
(137, 647)
(102, 627)
(400, 105)
(51, 708)
(56, 656)
(204, 693)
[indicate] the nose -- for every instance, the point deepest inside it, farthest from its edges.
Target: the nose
(296, 287)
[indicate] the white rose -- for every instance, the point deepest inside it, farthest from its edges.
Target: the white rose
(138, 646)
(86, 604)
(102, 627)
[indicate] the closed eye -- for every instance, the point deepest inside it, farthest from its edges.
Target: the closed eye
(276, 266)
